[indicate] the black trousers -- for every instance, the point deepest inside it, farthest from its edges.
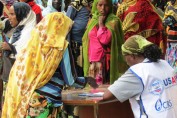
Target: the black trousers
(77, 55)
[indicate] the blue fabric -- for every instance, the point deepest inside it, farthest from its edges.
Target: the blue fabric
(56, 80)
(52, 88)
(80, 19)
(66, 69)
(61, 80)
(80, 82)
(115, 1)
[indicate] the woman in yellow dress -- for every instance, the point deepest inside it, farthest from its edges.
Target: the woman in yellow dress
(40, 72)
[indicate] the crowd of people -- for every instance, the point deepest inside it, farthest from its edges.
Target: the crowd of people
(72, 43)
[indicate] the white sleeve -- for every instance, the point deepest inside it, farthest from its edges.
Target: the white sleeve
(127, 86)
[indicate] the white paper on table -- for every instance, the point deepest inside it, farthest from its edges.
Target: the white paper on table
(99, 94)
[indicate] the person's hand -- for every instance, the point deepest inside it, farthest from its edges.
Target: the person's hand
(5, 46)
(92, 82)
(102, 19)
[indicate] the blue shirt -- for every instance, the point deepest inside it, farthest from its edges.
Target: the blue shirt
(80, 19)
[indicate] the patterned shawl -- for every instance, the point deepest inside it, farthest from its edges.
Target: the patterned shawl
(117, 64)
(171, 10)
(139, 17)
(36, 63)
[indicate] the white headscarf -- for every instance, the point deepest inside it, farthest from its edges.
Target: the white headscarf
(29, 23)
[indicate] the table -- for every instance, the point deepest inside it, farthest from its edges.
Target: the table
(94, 107)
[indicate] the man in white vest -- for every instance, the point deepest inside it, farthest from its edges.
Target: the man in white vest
(150, 83)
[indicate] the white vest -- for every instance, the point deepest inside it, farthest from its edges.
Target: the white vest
(159, 96)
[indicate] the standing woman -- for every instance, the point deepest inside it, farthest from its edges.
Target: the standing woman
(170, 21)
(101, 43)
(35, 8)
(23, 19)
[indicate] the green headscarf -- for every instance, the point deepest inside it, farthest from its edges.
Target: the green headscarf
(135, 45)
(95, 10)
(113, 23)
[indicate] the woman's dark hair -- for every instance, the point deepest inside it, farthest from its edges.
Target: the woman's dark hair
(8, 27)
(21, 10)
(1, 8)
(153, 53)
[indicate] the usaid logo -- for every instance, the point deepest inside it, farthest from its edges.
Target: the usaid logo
(170, 81)
(156, 87)
(162, 106)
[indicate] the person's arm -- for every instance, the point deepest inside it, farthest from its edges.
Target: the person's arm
(9, 47)
(108, 95)
(127, 86)
(6, 46)
(38, 18)
(38, 13)
(104, 35)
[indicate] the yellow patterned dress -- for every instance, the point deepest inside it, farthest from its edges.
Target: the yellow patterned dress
(35, 66)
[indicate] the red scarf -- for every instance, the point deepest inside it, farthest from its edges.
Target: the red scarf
(35, 8)
(147, 18)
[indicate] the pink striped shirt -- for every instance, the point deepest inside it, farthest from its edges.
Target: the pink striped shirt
(96, 51)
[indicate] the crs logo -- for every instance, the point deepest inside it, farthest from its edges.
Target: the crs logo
(162, 106)
(156, 87)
